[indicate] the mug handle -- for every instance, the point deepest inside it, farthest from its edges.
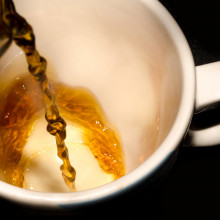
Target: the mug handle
(207, 93)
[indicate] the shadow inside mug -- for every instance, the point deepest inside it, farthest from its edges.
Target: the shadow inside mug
(143, 200)
(207, 118)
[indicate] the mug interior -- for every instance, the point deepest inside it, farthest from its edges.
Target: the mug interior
(123, 53)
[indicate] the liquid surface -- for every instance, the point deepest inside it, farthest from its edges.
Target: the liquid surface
(22, 106)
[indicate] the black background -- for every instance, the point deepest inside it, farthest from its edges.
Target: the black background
(192, 188)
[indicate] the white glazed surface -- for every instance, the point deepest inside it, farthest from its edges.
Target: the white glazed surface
(207, 93)
(163, 55)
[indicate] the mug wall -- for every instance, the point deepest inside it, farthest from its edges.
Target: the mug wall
(117, 49)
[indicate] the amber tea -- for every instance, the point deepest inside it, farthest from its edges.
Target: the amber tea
(20, 105)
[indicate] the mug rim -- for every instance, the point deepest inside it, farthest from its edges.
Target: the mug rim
(167, 147)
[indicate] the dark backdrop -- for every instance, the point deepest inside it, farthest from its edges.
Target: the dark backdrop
(192, 189)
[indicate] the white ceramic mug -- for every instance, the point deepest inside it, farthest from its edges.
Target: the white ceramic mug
(145, 29)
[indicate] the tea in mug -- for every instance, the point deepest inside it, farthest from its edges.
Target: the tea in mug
(25, 141)
(107, 58)
(18, 110)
